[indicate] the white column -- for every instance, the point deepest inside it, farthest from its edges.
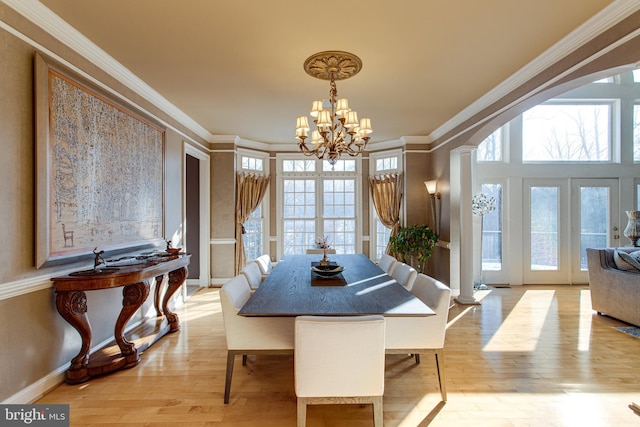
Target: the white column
(462, 257)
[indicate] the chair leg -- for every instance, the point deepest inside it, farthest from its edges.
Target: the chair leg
(302, 412)
(377, 412)
(441, 378)
(227, 382)
(417, 356)
(244, 360)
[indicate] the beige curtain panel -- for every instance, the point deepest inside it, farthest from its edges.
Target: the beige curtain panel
(250, 190)
(386, 193)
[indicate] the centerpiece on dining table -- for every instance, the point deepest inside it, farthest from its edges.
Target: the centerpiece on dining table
(325, 267)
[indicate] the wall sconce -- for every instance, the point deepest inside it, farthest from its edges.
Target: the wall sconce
(434, 195)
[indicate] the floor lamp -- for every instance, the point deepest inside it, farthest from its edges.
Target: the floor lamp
(434, 196)
(482, 204)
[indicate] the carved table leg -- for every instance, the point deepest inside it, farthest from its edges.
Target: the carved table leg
(133, 296)
(176, 279)
(157, 293)
(72, 306)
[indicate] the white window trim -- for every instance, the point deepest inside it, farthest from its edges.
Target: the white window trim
(614, 131)
(265, 200)
(318, 173)
(373, 217)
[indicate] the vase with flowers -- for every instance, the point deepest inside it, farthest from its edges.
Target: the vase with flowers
(323, 243)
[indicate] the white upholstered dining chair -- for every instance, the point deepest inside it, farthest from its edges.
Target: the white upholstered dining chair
(253, 274)
(415, 335)
(339, 360)
(404, 274)
(387, 262)
(264, 262)
(250, 335)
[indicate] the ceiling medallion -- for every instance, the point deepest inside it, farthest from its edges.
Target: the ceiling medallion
(338, 129)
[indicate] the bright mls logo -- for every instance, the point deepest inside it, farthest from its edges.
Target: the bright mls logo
(34, 415)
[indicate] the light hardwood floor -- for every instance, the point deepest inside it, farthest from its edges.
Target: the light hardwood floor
(527, 356)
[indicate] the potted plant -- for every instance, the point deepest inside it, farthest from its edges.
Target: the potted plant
(414, 244)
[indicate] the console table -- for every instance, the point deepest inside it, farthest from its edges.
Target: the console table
(71, 302)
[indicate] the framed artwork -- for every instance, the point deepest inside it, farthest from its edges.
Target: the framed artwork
(99, 171)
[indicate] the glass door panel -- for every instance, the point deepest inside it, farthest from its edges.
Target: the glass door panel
(595, 211)
(545, 231)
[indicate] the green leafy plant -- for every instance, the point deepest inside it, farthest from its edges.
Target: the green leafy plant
(414, 244)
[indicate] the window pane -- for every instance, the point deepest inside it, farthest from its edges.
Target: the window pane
(544, 228)
(387, 163)
(594, 220)
(561, 132)
(251, 163)
(492, 230)
(490, 150)
(340, 166)
(339, 214)
(298, 165)
(382, 238)
(299, 235)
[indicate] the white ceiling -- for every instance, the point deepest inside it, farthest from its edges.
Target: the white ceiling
(236, 66)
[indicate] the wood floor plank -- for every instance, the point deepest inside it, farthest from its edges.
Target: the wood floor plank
(527, 356)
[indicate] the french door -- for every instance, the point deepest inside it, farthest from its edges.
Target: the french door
(562, 217)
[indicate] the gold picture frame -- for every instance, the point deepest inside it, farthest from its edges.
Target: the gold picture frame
(99, 170)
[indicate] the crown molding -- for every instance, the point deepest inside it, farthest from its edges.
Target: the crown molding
(40, 15)
(55, 26)
(596, 25)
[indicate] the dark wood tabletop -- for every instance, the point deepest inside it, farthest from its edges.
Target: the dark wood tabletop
(291, 289)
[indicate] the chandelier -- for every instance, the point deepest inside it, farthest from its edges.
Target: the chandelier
(337, 130)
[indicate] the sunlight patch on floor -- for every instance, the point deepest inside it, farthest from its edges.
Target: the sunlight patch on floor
(521, 332)
(586, 312)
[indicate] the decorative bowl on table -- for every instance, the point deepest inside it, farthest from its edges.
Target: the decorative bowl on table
(327, 270)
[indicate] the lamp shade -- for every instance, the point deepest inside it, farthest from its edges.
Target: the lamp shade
(324, 119)
(342, 107)
(431, 186)
(365, 127)
(316, 108)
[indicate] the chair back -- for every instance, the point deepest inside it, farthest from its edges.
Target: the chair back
(339, 356)
(387, 262)
(264, 262)
(254, 333)
(253, 274)
(404, 274)
(437, 296)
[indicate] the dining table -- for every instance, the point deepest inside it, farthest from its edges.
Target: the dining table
(361, 288)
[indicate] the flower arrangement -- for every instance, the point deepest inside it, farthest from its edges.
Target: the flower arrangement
(323, 243)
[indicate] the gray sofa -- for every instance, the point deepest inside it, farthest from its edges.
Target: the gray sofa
(614, 292)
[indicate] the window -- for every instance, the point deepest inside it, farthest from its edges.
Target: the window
(567, 132)
(380, 163)
(319, 200)
(256, 235)
(253, 234)
(299, 215)
(492, 230)
(490, 150)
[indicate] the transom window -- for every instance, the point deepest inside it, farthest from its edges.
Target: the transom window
(579, 132)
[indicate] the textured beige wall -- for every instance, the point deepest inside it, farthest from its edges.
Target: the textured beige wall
(223, 210)
(36, 341)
